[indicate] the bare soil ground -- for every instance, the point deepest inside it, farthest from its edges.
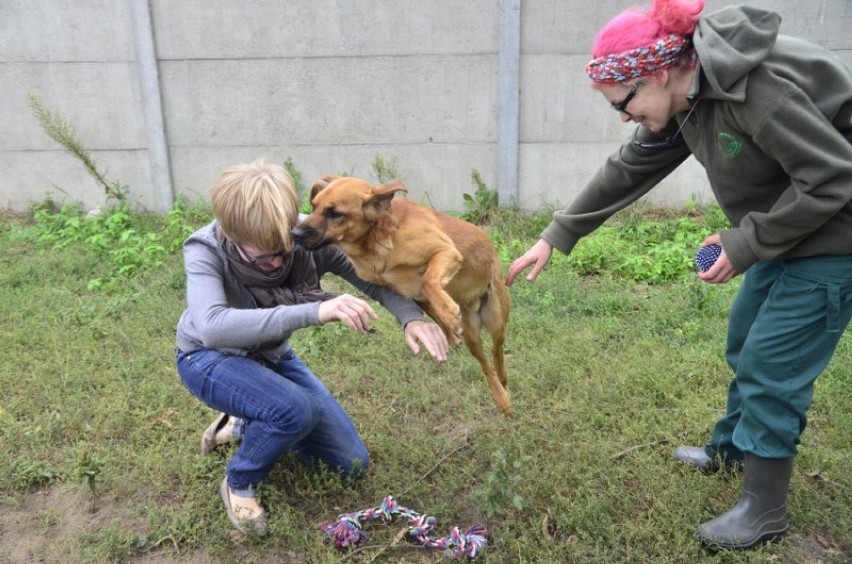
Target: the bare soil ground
(47, 524)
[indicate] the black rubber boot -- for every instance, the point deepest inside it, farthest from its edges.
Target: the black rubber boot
(761, 513)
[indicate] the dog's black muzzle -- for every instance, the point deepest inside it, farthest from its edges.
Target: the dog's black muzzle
(307, 238)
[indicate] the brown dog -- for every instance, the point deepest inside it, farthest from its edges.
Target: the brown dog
(447, 265)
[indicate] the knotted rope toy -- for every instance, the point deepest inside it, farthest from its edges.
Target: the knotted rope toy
(346, 530)
(706, 257)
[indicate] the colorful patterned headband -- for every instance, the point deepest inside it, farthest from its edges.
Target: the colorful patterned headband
(641, 61)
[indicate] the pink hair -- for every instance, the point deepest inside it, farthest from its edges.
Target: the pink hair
(635, 27)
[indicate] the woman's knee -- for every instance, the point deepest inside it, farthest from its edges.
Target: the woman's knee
(298, 416)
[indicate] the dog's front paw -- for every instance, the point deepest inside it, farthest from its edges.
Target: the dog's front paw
(455, 336)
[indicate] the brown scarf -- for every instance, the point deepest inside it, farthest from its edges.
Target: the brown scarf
(296, 282)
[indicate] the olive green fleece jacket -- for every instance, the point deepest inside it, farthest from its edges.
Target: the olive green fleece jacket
(772, 126)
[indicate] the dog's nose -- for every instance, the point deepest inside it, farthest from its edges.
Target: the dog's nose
(298, 234)
(307, 237)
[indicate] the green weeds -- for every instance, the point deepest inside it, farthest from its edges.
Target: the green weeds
(499, 492)
(385, 169)
(480, 207)
(302, 192)
(127, 241)
(58, 128)
(89, 469)
(650, 250)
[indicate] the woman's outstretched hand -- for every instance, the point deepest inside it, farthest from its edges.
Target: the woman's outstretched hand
(430, 336)
(353, 312)
(538, 255)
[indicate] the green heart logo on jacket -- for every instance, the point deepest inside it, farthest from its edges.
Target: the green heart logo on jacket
(729, 145)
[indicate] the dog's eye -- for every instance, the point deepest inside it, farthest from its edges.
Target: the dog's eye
(333, 214)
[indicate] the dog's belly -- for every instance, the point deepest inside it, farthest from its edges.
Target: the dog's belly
(404, 280)
(464, 289)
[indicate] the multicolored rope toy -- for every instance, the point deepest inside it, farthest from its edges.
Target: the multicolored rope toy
(347, 531)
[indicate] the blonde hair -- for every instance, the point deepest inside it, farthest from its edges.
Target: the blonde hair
(256, 205)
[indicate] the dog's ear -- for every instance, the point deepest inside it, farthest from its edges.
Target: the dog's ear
(381, 196)
(388, 189)
(320, 185)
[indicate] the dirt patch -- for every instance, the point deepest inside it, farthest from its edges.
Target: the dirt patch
(41, 526)
(817, 549)
(47, 525)
(50, 525)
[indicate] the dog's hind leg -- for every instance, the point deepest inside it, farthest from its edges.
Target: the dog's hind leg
(494, 312)
(498, 338)
(472, 327)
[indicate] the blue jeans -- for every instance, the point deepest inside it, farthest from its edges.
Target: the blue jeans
(785, 324)
(285, 408)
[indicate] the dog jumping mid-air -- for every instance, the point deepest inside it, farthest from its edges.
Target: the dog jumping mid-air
(447, 265)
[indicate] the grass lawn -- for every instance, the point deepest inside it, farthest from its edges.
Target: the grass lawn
(608, 372)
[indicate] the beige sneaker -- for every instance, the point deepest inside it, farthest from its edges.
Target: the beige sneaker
(220, 432)
(245, 514)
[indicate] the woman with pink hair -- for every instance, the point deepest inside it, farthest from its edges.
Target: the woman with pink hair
(770, 118)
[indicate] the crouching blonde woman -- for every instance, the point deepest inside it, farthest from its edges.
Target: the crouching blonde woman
(248, 288)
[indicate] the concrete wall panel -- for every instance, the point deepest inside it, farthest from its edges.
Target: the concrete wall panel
(328, 83)
(58, 175)
(223, 29)
(330, 100)
(43, 30)
(100, 100)
(554, 173)
(564, 108)
(557, 26)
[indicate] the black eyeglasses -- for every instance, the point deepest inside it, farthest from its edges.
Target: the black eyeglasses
(263, 259)
(675, 139)
(621, 107)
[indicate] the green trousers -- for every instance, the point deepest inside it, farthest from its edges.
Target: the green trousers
(784, 327)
